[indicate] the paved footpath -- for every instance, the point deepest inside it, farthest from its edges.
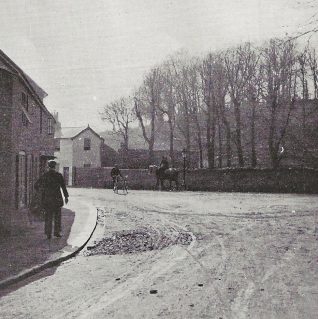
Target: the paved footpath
(83, 226)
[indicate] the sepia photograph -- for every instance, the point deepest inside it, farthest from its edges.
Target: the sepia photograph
(158, 159)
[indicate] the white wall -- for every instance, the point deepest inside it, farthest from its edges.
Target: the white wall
(64, 157)
(92, 156)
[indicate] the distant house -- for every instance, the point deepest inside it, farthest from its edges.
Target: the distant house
(79, 147)
(26, 137)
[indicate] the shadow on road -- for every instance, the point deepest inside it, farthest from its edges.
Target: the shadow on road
(27, 247)
(41, 275)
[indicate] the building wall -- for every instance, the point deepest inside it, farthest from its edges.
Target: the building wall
(72, 154)
(6, 158)
(30, 143)
(33, 138)
(92, 156)
(23, 148)
(64, 158)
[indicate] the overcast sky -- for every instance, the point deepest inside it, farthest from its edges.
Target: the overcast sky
(85, 53)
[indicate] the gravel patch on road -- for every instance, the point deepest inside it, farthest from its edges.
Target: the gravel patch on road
(135, 241)
(140, 239)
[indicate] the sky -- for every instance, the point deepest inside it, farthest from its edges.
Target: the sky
(86, 53)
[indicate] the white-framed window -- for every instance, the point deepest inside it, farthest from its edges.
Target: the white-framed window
(87, 165)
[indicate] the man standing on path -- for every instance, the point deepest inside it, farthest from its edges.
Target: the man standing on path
(49, 185)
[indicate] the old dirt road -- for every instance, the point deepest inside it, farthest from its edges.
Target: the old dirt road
(185, 255)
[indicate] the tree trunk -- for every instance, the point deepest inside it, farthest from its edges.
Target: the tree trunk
(271, 137)
(253, 148)
(171, 135)
(199, 137)
(125, 148)
(151, 155)
(187, 132)
(152, 136)
(228, 147)
(238, 138)
(228, 137)
(150, 140)
(209, 139)
(220, 146)
(213, 134)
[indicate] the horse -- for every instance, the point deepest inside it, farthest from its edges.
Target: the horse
(170, 174)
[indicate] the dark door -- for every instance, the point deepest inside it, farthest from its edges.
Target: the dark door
(66, 174)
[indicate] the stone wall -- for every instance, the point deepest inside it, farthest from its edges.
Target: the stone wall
(100, 178)
(228, 180)
(254, 180)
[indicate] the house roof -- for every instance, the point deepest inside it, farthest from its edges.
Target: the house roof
(40, 92)
(69, 132)
(73, 132)
(36, 91)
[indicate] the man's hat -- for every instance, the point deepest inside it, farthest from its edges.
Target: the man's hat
(51, 164)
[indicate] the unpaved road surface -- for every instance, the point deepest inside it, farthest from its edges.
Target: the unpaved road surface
(184, 255)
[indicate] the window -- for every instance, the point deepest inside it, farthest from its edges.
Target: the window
(57, 143)
(25, 101)
(41, 114)
(50, 130)
(87, 144)
(87, 165)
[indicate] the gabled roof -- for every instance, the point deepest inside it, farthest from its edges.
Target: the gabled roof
(36, 91)
(73, 132)
(88, 128)
(69, 132)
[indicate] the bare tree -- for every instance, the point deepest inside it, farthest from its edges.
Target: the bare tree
(312, 62)
(167, 107)
(239, 69)
(147, 100)
(252, 94)
(181, 70)
(220, 90)
(280, 79)
(196, 105)
(303, 61)
(209, 100)
(120, 114)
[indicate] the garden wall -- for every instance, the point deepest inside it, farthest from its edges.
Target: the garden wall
(228, 180)
(100, 178)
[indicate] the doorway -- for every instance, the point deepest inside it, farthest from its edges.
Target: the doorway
(66, 174)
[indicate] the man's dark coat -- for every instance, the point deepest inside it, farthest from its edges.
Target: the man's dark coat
(49, 185)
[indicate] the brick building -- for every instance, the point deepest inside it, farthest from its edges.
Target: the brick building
(26, 138)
